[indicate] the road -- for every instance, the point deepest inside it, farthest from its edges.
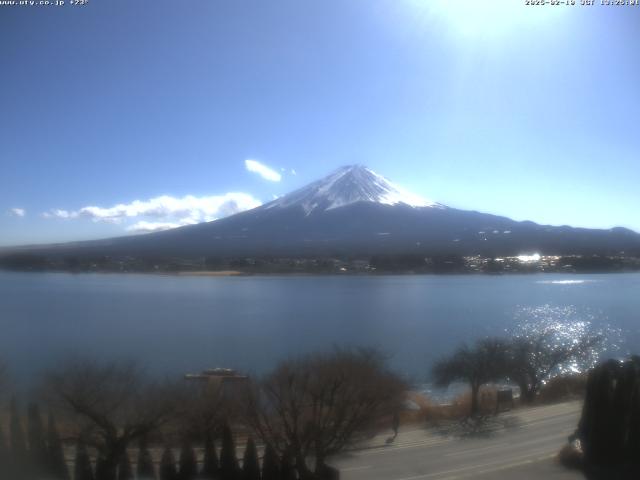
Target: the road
(521, 445)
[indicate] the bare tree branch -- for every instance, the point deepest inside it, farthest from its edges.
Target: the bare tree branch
(484, 362)
(536, 355)
(111, 404)
(318, 405)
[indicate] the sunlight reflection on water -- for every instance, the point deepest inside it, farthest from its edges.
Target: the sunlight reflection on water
(565, 282)
(563, 327)
(560, 327)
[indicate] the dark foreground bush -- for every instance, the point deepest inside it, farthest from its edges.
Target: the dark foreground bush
(609, 430)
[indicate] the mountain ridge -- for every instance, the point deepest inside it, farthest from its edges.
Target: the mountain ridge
(355, 212)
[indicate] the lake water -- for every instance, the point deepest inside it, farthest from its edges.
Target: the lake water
(177, 324)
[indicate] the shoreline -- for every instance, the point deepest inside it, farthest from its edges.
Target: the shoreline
(202, 273)
(239, 273)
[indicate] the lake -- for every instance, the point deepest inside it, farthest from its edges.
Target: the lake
(178, 324)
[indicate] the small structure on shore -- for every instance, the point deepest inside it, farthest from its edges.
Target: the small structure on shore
(226, 380)
(504, 400)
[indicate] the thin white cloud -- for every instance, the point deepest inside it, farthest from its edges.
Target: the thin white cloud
(164, 212)
(17, 212)
(58, 213)
(262, 170)
(145, 226)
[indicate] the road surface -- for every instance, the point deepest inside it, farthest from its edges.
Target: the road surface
(518, 445)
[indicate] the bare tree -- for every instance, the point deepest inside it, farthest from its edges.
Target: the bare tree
(484, 362)
(204, 410)
(112, 404)
(536, 355)
(317, 405)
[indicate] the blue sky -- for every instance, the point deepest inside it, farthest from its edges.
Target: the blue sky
(122, 116)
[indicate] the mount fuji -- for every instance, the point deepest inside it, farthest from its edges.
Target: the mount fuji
(356, 212)
(346, 186)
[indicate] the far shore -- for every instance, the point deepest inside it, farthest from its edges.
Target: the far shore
(300, 273)
(409, 264)
(208, 273)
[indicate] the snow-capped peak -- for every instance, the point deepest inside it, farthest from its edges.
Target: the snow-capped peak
(348, 185)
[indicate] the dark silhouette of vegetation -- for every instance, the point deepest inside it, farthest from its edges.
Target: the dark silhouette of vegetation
(55, 451)
(5, 458)
(229, 468)
(83, 469)
(104, 470)
(250, 464)
(18, 442)
(485, 361)
(125, 470)
(399, 263)
(168, 469)
(37, 442)
(418, 263)
(19, 454)
(24, 262)
(447, 264)
(215, 263)
(204, 409)
(319, 404)
(145, 469)
(4, 374)
(287, 470)
(327, 472)
(594, 263)
(188, 462)
(270, 464)
(210, 464)
(609, 429)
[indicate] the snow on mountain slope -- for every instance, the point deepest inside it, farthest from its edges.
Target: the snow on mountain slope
(346, 186)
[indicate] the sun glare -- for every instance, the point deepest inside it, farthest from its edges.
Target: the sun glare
(474, 18)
